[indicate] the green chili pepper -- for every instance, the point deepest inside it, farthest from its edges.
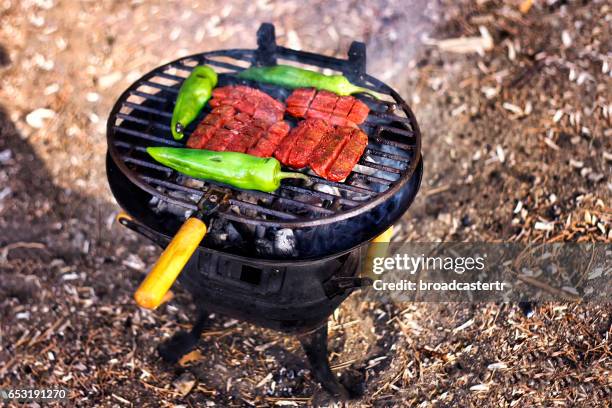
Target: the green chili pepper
(193, 95)
(293, 77)
(236, 169)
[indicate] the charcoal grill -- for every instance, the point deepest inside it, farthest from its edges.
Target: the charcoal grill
(286, 259)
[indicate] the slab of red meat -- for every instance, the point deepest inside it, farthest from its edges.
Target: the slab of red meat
(348, 157)
(324, 101)
(339, 110)
(340, 121)
(249, 138)
(267, 113)
(343, 106)
(215, 119)
(250, 101)
(328, 150)
(315, 130)
(359, 112)
(200, 136)
(299, 101)
(284, 148)
(221, 139)
(236, 124)
(265, 146)
(242, 116)
(207, 127)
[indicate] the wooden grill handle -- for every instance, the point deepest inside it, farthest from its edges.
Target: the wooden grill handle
(379, 249)
(151, 291)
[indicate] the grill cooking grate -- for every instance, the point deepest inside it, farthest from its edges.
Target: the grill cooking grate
(141, 118)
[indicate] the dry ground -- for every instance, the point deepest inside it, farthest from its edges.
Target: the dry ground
(517, 146)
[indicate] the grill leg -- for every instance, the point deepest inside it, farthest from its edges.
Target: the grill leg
(183, 342)
(527, 308)
(315, 346)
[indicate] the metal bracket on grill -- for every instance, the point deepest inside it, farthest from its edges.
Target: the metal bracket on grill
(342, 284)
(141, 229)
(356, 67)
(266, 45)
(210, 203)
(344, 280)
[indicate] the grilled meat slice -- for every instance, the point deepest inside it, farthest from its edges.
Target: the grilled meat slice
(340, 110)
(250, 101)
(328, 150)
(227, 128)
(221, 139)
(207, 127)
(284, 148)
(348, 157)
(324, 101)
(299, 101)
(201, 136)
(266, 145)
(359, 112)
(315, 131)
(343, 106)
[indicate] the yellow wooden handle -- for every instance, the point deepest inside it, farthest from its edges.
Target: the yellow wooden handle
(122, 216)
(379, 249)
(170, 264)
(385, 236)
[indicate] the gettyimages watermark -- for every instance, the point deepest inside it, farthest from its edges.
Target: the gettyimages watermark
(440, 272)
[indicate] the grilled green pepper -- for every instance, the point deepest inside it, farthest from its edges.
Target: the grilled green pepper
(293, 77)
(236, 169)
(193, 95)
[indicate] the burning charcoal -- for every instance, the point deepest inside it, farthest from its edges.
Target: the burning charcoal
(217, 233)
(285, 243)
(193, 183)
(260, 231)
(324, 188)
(233, 236)
(264, 247)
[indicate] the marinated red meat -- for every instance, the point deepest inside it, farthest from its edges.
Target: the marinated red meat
(250, 101)
(359, 112)
(235, 124)
(340, 110)
(267, 114)
(263, 148)
(301, 97)
(343, 106)
(284, 148)
(221, 139)
(315, 114)
(247, 120)
(340, 121)
(329, 149)
(324, 101)
(348, 157)
(297, 111)
(206, 129)
(315, 130)
(266, 145)
(219, 116)
(200, 136)
(242, 117)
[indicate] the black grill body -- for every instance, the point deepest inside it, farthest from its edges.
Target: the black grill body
(322, 217)
(292, 295)
(232, 272)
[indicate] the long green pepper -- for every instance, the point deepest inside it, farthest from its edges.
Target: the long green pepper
(193, 95)
(294, 77)
(236, 169)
